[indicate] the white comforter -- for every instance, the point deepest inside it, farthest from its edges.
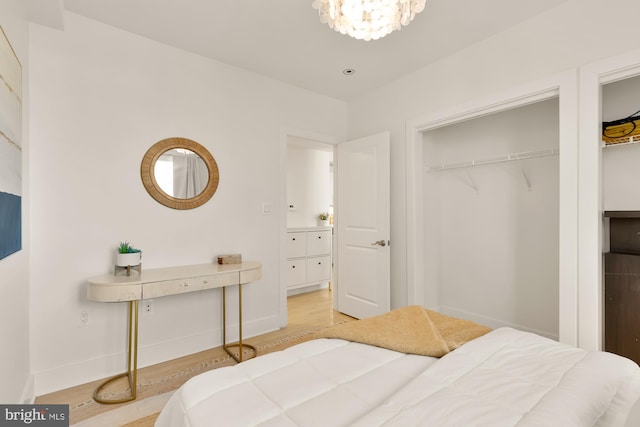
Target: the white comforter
(505, 378)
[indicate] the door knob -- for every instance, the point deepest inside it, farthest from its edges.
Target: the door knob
(380, 243)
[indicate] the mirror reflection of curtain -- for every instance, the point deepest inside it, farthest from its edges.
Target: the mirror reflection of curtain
(163, 173)
(190, 175)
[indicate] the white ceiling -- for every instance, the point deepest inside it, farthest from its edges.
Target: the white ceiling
(284, 39)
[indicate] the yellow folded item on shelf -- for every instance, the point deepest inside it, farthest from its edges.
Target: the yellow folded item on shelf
(618, 133)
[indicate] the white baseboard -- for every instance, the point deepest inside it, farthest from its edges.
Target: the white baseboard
(491, 322)
(306, 289)
(28, 396)
(86, 371)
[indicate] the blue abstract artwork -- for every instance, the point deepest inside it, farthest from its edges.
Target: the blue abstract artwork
(10, 149)
(10, 223)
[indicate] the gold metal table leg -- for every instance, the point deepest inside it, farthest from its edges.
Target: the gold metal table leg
(240, 357)
(132, 361)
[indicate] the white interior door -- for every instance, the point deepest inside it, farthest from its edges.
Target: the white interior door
(363, 223)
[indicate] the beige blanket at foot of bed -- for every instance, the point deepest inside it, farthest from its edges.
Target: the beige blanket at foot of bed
(412, 329)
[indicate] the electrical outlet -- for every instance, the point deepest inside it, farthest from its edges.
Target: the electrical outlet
(147, 307)
(84, 318)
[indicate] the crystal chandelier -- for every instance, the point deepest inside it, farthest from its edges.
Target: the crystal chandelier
(367, 19)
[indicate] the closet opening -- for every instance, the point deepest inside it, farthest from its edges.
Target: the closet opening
(490, 218)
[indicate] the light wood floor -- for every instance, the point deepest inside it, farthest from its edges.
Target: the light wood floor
(307, 312)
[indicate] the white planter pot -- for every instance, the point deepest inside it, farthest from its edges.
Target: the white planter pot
(323, 222)
(128, 260)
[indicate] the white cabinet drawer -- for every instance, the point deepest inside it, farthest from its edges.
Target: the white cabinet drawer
(309, 257)
(296, 244)
(296, 273)
(319, 269)
(172, 287)
(319, 242)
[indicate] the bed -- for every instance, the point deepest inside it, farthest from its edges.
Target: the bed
(501, 377)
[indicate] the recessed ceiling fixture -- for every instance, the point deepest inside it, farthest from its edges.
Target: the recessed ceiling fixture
(348, 71)
(367, 19)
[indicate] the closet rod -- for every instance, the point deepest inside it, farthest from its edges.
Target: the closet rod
(501, 159)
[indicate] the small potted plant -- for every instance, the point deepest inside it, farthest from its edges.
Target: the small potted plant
(127, 255)
(323, 219)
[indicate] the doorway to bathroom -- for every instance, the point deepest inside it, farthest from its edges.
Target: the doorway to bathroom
(310, 204)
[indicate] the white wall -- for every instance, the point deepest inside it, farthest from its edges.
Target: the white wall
(309, 184)
(621, 164)
(14, 273)
(493, 229)
(558, 40)
(101, 97)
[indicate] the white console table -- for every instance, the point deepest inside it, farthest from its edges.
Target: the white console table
(161, 282)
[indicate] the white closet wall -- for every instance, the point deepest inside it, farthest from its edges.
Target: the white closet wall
(491, 231)
(621, 163)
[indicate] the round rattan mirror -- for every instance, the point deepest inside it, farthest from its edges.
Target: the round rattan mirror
(179, 173)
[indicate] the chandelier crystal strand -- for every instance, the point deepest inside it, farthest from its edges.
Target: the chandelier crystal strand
(367, 19)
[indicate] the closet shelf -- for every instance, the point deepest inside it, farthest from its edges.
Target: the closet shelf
(500, 159)
(621, 141)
